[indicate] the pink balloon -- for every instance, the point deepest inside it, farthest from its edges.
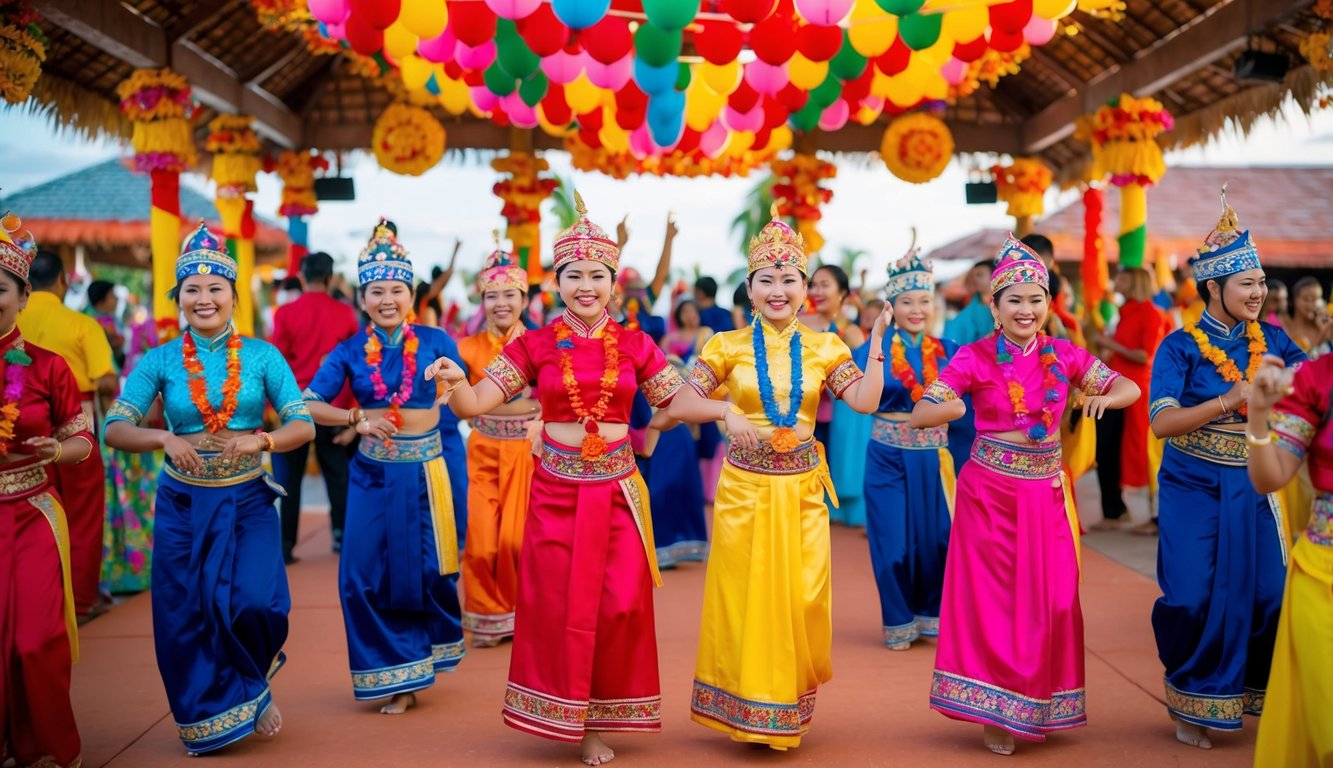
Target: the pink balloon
(751, 121)
(766, 78)
(713, 140)
(609, 76)
(520, 114)
(563, 67)
(640, 143)
(835, 116)
(439, 49)
(337, 31)
(475, 58)
(330, 11)
(824, 13)
(483, 98)
(1039, 31)
(513, 10)
(954, 71)
(873, 102)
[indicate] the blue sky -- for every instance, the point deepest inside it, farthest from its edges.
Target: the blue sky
(871, 210)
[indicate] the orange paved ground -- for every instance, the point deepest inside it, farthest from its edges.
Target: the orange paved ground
(874, 713)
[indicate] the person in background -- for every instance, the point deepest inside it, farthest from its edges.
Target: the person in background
(689, 336)
(426, 301)
(869, 311)
(102, 303)
(974, 321)
(305, 331)
(80, 340)
(1309, 325)
(637, 297)
(742, 314)
(1276, 306)
(713, 316)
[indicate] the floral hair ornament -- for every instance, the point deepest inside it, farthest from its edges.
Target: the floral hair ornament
(777, 245)
(1017, 264)
(17, 249)
(384, 258)
(203, 253)
(1227, 250)
(910, 273)
(500, 271)
(585, 241)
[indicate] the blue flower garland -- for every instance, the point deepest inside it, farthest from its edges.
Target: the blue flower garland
(777, 417)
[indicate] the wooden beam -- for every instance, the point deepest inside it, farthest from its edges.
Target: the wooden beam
(215, 85)
(1049, 62)
(111, 27)
(1209, 38)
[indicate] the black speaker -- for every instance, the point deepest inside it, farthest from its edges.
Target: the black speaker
(1264, 67)
(335, 188)
(980, 192)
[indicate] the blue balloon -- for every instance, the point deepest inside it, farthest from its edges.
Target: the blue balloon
(665, 127)
(432, 87)
(580, 14)
(671, 102)
(655, 80)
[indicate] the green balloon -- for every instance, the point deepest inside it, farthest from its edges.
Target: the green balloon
(807, 118)
(901, 7)
(847, 64)
(919, 31)
(500, 82)
(670, 14)
(657, 47)
(683, 77)
(824, 94)
(534, 88)
(512, 53)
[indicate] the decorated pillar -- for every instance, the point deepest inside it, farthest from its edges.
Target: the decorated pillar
(1093, 271)
(522, 193)
(297, 171)
(235, 147)
(798, 192)
(1124, 147)
(1022, 185)
(158, 103)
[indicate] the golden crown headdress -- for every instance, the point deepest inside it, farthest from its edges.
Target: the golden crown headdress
(500, 271)
(777, 245)
(585, 241)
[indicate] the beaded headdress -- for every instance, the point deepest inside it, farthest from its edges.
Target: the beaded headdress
(1226, 250)
(585, 241)
(384, 258)
(777, 245)
(1018, 264)
(501, 271)
(910, 273)
(203, 253)
(17, 249)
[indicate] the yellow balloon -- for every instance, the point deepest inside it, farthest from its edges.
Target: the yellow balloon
(1053, 9)
(613, 136)
(906, 91)
(722, 78)
(425, 18)
(868, 115)
(804, 73)
(936, 87)
(880, 84)
(871, 30)
(741, 141)
(475, 111)
(558, 131)
(454, 96)
(939, 53)
(399, 42)
(965, 24)
(416, 71)
(781, 138)
(582, 95)
(702, 107)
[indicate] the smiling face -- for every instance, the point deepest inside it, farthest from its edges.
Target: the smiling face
(913, 311)
(825, 294)
(585, 287)
(387, 303)
(1308, 300)
(1021, 310)
(13, 299)
(503, 307)
(1243, 295)
(207, 301)
(777, 293)
(687, 316)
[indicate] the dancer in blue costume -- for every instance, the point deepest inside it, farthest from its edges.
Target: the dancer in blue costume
(220, 598)
(1221, 557)
(909, 477)
(399, 565)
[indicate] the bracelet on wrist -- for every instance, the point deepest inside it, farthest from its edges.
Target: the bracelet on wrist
(60, 449)
(1250, 438)
(1225, 410)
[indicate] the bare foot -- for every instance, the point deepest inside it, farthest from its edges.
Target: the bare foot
(899, 646)
(270, 722)
(595, 751)
(1193, 735)
(998, 740)
(399, 704)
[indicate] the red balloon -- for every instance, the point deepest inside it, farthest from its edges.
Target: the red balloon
(629, 119)
(855, 90)
(589, 136)
(774, 39)
(775, 113)
(472, 23)
(748, 11)
(592, 120)
(364, 38)
(719, 41)
(761, 138)
(792, 97)
(971, 51)
(454, 71)
(543, 32)
(894, 60)
(474, 77)
(631, 99)
(555, 107)
(377, 13)
(1011, 16)
(818, 43)
(1005, 41)
(743, 98)
(689, 141)
(609, 40)
(499, 117)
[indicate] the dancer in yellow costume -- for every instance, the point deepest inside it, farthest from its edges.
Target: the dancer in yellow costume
(767, 624)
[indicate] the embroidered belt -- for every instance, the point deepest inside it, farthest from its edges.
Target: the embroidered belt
(569, 464)
(218, 471)
(900, 434)
(1216, 446)
(504, 427)
(406, 449)
(23, 481)
(766, 461)
(1320, 529)
(1027, 462)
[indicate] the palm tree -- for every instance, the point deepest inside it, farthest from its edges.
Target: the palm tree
(755, 213)
(562, 203)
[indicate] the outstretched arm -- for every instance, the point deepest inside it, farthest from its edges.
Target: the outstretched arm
(1270, 466)
(664, 261)
(865, 394)
(465, 400)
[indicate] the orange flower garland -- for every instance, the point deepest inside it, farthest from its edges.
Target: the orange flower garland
(932, 352)
(1224, 364)
(594, 445)
(214, 421)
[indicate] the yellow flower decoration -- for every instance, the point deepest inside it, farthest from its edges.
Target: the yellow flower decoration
(21, 57)
(917, 147)
(1317, 48)
(235, 147)
(1023, 185)
(407, 140)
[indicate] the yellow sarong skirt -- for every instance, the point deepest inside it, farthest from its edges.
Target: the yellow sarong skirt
(766, 632)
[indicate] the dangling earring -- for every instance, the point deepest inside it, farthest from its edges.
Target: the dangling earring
(997, 325)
